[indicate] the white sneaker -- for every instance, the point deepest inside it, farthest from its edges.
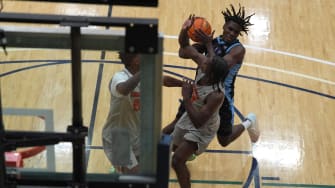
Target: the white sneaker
(253, 129)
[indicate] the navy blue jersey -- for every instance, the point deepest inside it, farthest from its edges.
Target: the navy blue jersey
(221, 48)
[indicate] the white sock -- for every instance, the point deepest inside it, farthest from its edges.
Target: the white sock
(246, 124)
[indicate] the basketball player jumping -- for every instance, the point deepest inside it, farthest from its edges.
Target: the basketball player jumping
(232, 51)
(202, 100)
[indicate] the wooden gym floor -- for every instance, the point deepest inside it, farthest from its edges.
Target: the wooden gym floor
(287, 79)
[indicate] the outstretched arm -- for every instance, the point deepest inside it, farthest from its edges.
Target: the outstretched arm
(129, 85)
(190, 52)
(187, 51)
(235, 56)
(169, 81)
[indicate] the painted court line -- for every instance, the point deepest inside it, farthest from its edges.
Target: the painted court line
(290, 73)
(274, 51)
(275, 70)
(292, 55)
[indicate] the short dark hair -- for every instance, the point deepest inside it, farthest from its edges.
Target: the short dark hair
(126, 58)
(238, 17)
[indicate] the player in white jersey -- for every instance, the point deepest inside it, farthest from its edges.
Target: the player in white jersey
(121, 132)
(202, 100)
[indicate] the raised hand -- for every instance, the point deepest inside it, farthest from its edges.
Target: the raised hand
(204, 38)
(189, 22)
(187, 89)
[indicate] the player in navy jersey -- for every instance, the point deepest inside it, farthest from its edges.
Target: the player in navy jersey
(232, 51)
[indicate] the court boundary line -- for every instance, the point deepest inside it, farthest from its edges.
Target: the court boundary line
(223, 182)
(283, 71)
(64, 62)
(55, 62)
(96, 95)
(276, 52)
(240, 115)
(305, 76)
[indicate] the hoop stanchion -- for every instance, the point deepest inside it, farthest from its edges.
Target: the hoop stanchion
(150, 44)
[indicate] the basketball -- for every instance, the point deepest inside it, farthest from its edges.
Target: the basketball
(199, 23)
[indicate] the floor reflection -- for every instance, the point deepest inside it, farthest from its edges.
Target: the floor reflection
(279, 152)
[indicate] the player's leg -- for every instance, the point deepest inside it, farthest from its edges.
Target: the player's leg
(184, 150)
(227, 133)
(253, 130)
(107, 147)
(133, 166)
(115, 142)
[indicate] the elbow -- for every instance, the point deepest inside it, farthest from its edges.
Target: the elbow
(182, 54)
(166, 81)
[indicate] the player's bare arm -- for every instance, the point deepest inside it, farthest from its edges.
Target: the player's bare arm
(169, 81)
(186, 51)
(129, 85)
(236, 55)
(200, 117)
(212, 103)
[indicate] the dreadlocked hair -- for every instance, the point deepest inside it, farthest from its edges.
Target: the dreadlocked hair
(219, 71)
(238, 17)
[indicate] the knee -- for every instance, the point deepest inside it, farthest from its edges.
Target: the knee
(176, 162)
(223, 141)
